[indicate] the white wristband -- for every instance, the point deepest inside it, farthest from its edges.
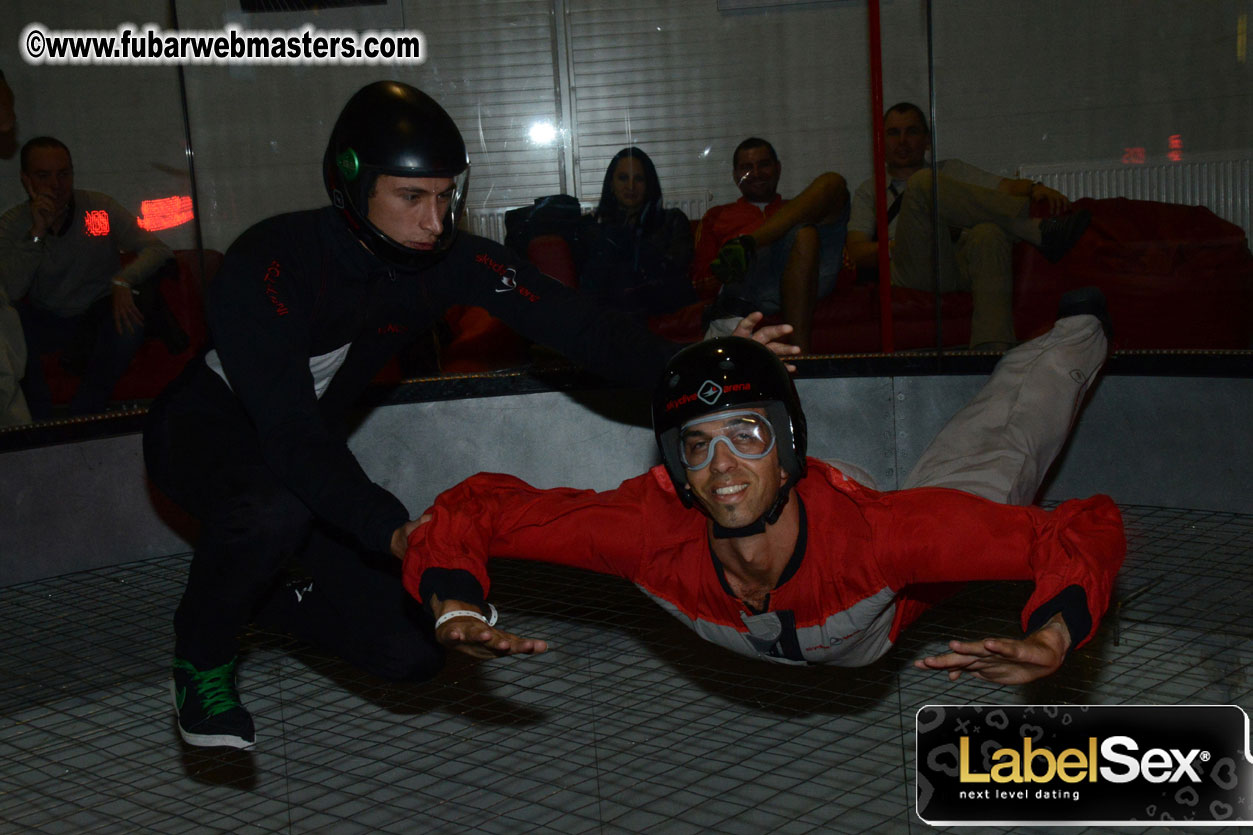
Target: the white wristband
(466, 613)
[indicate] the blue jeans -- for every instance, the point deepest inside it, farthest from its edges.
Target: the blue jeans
(761, 284)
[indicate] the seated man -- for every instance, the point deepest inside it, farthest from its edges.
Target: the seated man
(985, 215)
(773, 255)
(808, 565)
(60, 250)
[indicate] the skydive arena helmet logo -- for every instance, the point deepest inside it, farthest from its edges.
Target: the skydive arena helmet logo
(709, 392)
(1112, 765)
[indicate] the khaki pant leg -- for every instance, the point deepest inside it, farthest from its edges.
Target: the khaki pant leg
(985, 259)
(1001, 444)
(962, 205)
(912, 255)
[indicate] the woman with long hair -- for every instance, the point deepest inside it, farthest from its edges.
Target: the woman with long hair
(638, 252)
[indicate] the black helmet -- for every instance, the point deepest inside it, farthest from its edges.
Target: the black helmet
(392, 128)
(729, 373)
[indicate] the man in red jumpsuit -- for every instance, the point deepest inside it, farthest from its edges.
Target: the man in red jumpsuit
(777, 556)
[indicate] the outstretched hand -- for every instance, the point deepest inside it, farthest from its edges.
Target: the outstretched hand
(466, 634)
(768, 336)
(476, 639)
(1005, 660)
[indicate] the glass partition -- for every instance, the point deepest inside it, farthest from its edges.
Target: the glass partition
(125, 178)
(1132, 112)
(1140, 114)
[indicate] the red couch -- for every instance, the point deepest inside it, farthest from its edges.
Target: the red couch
(480, 342)
(1174, 277)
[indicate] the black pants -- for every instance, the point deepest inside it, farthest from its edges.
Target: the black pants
(204, 454)
(105, 355)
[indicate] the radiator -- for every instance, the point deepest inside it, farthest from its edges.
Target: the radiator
(490, 221)
(694, 204)
(1220, 182)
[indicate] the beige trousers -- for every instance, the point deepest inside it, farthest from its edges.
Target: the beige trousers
(979, 261)
(1001, 444)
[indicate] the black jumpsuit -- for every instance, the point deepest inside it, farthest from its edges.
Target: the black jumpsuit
(263, 463)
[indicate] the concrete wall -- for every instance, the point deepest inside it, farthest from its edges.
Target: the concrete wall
(1168, 441)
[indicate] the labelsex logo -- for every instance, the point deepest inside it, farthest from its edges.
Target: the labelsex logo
(1040, 765)
(1108, 764)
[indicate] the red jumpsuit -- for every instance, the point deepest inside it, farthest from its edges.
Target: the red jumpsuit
(861, 571)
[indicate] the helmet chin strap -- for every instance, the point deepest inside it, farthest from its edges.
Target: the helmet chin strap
(758, 525)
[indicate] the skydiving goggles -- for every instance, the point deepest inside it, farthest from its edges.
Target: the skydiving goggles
(747, 434)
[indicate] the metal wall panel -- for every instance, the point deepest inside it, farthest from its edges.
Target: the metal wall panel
(76, 506)
(1176, 442)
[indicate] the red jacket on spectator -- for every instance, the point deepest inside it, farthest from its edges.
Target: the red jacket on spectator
(722, 223)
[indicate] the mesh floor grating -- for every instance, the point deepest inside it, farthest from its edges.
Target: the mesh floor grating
(630, 724)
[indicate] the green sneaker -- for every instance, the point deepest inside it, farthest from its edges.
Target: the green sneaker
(734, 259)
(209, 711)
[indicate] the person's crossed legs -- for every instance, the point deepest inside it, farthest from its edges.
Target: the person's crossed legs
(786, 264)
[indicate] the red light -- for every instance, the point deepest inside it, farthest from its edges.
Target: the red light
(96, 223)
(164, 213)
(1133, 156)
(1176, 147)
